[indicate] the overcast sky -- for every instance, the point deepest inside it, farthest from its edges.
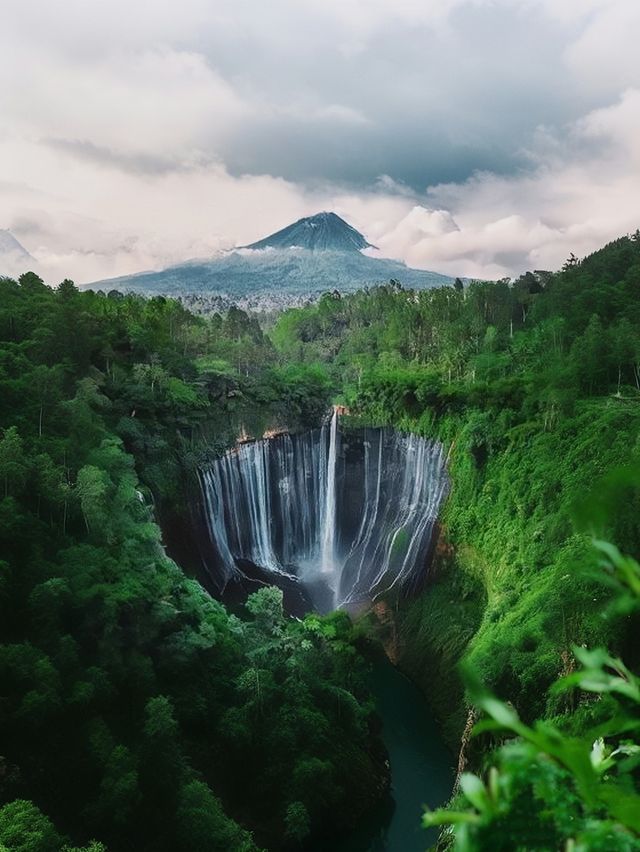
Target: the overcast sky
(474, 137)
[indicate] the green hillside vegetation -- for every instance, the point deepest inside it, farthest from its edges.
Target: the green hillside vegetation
(134, 708)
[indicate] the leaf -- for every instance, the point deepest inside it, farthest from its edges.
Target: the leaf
(624, 806)
(501, 712)
(444, 817)
(475, 791)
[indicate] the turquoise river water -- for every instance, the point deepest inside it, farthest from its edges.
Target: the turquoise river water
(421, 768)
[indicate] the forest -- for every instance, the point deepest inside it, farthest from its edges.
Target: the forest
(137, 712)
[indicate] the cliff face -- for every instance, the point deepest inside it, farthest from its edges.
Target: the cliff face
(427, 634)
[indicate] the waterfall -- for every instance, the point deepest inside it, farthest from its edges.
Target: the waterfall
(327, 558)
(350, 510)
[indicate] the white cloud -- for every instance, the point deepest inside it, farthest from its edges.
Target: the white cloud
(161, 100)
(605, 56)
(476, 137)
(578, 199)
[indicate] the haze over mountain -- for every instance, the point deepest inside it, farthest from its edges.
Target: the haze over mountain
(14, 258)
(293, 265)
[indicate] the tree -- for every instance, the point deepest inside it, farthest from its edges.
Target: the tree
(13, 465)
(298, 824)
(92, 486)
(119, 794)
(24, 828)
(163, 766)
(590, 354)
(203, 825)
(47, 382)
(266, 607)
(625, 352)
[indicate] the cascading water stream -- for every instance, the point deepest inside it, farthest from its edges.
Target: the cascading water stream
(327, 556)
(351, 511)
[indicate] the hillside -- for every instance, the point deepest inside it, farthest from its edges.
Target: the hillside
(534, 388)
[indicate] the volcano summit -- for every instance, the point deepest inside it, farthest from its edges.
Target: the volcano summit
(324, 232)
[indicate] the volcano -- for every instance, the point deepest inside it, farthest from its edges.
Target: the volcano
(292, 266)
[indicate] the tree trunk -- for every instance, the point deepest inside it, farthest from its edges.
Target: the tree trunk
(472, 717)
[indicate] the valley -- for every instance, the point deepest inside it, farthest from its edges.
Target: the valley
(319, 426)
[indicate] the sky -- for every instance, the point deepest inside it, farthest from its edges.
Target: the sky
(477, 138)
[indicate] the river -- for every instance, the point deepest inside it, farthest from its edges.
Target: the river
(421, 768)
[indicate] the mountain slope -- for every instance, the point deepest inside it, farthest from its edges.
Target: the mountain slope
(14, 258)
(322, 231)
(299, 262)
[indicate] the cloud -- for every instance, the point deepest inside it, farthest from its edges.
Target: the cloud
(340, 90)
(605, 55)
(142, 163)
(578, 198)
(160, 102)
(477, 137)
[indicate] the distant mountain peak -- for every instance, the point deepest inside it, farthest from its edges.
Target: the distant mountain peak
(325, 231)
(10, 246)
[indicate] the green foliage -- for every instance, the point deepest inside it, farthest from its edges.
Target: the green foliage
(203, 825)
(12, 463)
(534, 387)
(297, 822)
(23, 828)
(138, 710)
(302, 392)
(546, 336)
(134, 707)
(583, 788)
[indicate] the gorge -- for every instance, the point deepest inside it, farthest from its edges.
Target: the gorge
(350, 515)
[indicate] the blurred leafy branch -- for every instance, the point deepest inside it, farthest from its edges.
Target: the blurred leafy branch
(547, 788)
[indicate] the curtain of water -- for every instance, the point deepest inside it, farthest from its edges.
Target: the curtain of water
(300, 505)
